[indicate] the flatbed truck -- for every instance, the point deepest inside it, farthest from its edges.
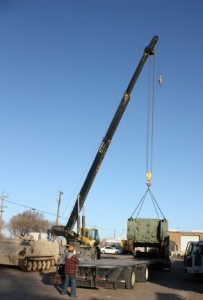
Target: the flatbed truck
(115, 271)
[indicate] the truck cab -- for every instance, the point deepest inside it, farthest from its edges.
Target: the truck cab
(193, 258)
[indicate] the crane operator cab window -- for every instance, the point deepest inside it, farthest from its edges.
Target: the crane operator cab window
(91, 234)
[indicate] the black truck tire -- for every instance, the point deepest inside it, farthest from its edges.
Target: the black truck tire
(142, 273)
(130, 279)
(145, 274)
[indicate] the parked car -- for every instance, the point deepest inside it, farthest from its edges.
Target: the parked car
(110, 250)
(116, 247)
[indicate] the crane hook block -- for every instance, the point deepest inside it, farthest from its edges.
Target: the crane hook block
(149, 177)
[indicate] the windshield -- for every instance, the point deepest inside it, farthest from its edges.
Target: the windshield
(94, 235)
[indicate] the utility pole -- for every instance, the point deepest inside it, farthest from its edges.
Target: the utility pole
(2, 197)
(58, 207)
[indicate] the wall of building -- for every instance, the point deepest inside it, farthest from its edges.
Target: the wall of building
(178, 241)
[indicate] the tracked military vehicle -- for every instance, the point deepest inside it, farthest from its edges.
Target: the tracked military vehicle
(29, 254)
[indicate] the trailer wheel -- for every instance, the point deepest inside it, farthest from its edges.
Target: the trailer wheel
(130, 279)
(34, 266)
(145, 275)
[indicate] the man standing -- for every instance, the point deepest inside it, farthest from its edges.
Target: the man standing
(71, 264)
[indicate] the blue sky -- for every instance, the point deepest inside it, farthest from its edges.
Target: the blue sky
(64, 66)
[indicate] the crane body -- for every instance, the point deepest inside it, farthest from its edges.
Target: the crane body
(67, 230)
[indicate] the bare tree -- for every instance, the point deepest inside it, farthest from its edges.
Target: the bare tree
(29, 221)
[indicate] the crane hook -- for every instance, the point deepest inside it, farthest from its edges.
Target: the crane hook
(149, 177)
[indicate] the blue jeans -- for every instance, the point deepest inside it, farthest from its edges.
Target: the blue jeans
(70, 279)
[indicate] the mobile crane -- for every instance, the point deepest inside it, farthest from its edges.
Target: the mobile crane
(67, 231)
(111, 273)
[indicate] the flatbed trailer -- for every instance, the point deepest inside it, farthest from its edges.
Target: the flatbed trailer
(115, 271)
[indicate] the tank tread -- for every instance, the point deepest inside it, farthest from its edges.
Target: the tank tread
(36, 264)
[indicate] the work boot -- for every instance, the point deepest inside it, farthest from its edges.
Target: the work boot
(63, 293)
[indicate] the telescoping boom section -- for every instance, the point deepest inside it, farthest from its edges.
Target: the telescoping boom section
(67, 231)
(149, 50)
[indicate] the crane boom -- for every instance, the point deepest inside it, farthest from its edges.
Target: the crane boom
(149, 50)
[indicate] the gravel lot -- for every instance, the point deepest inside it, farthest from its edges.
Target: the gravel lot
(173, 285)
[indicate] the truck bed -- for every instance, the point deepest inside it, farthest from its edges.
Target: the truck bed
(114, 271)
(121, 260)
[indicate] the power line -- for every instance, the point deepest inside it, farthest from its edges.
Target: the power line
(34, 209)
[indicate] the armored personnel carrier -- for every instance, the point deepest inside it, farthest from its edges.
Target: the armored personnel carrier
(29, 254)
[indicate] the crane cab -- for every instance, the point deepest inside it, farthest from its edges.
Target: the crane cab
(90, 236)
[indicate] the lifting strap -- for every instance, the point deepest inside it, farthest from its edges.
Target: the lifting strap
(141, 202)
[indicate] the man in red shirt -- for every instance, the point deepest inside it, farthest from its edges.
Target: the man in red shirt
(71, 264)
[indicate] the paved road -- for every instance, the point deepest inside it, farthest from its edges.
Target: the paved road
(174, 285)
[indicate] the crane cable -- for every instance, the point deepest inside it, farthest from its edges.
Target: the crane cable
(150, 136)
(150, 141)
(150, 125)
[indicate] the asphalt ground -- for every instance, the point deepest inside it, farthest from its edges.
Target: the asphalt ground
(162, 285)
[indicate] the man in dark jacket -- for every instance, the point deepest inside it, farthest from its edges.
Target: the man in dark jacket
(71, 264)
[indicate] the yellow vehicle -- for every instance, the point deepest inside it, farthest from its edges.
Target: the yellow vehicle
(89, 236)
